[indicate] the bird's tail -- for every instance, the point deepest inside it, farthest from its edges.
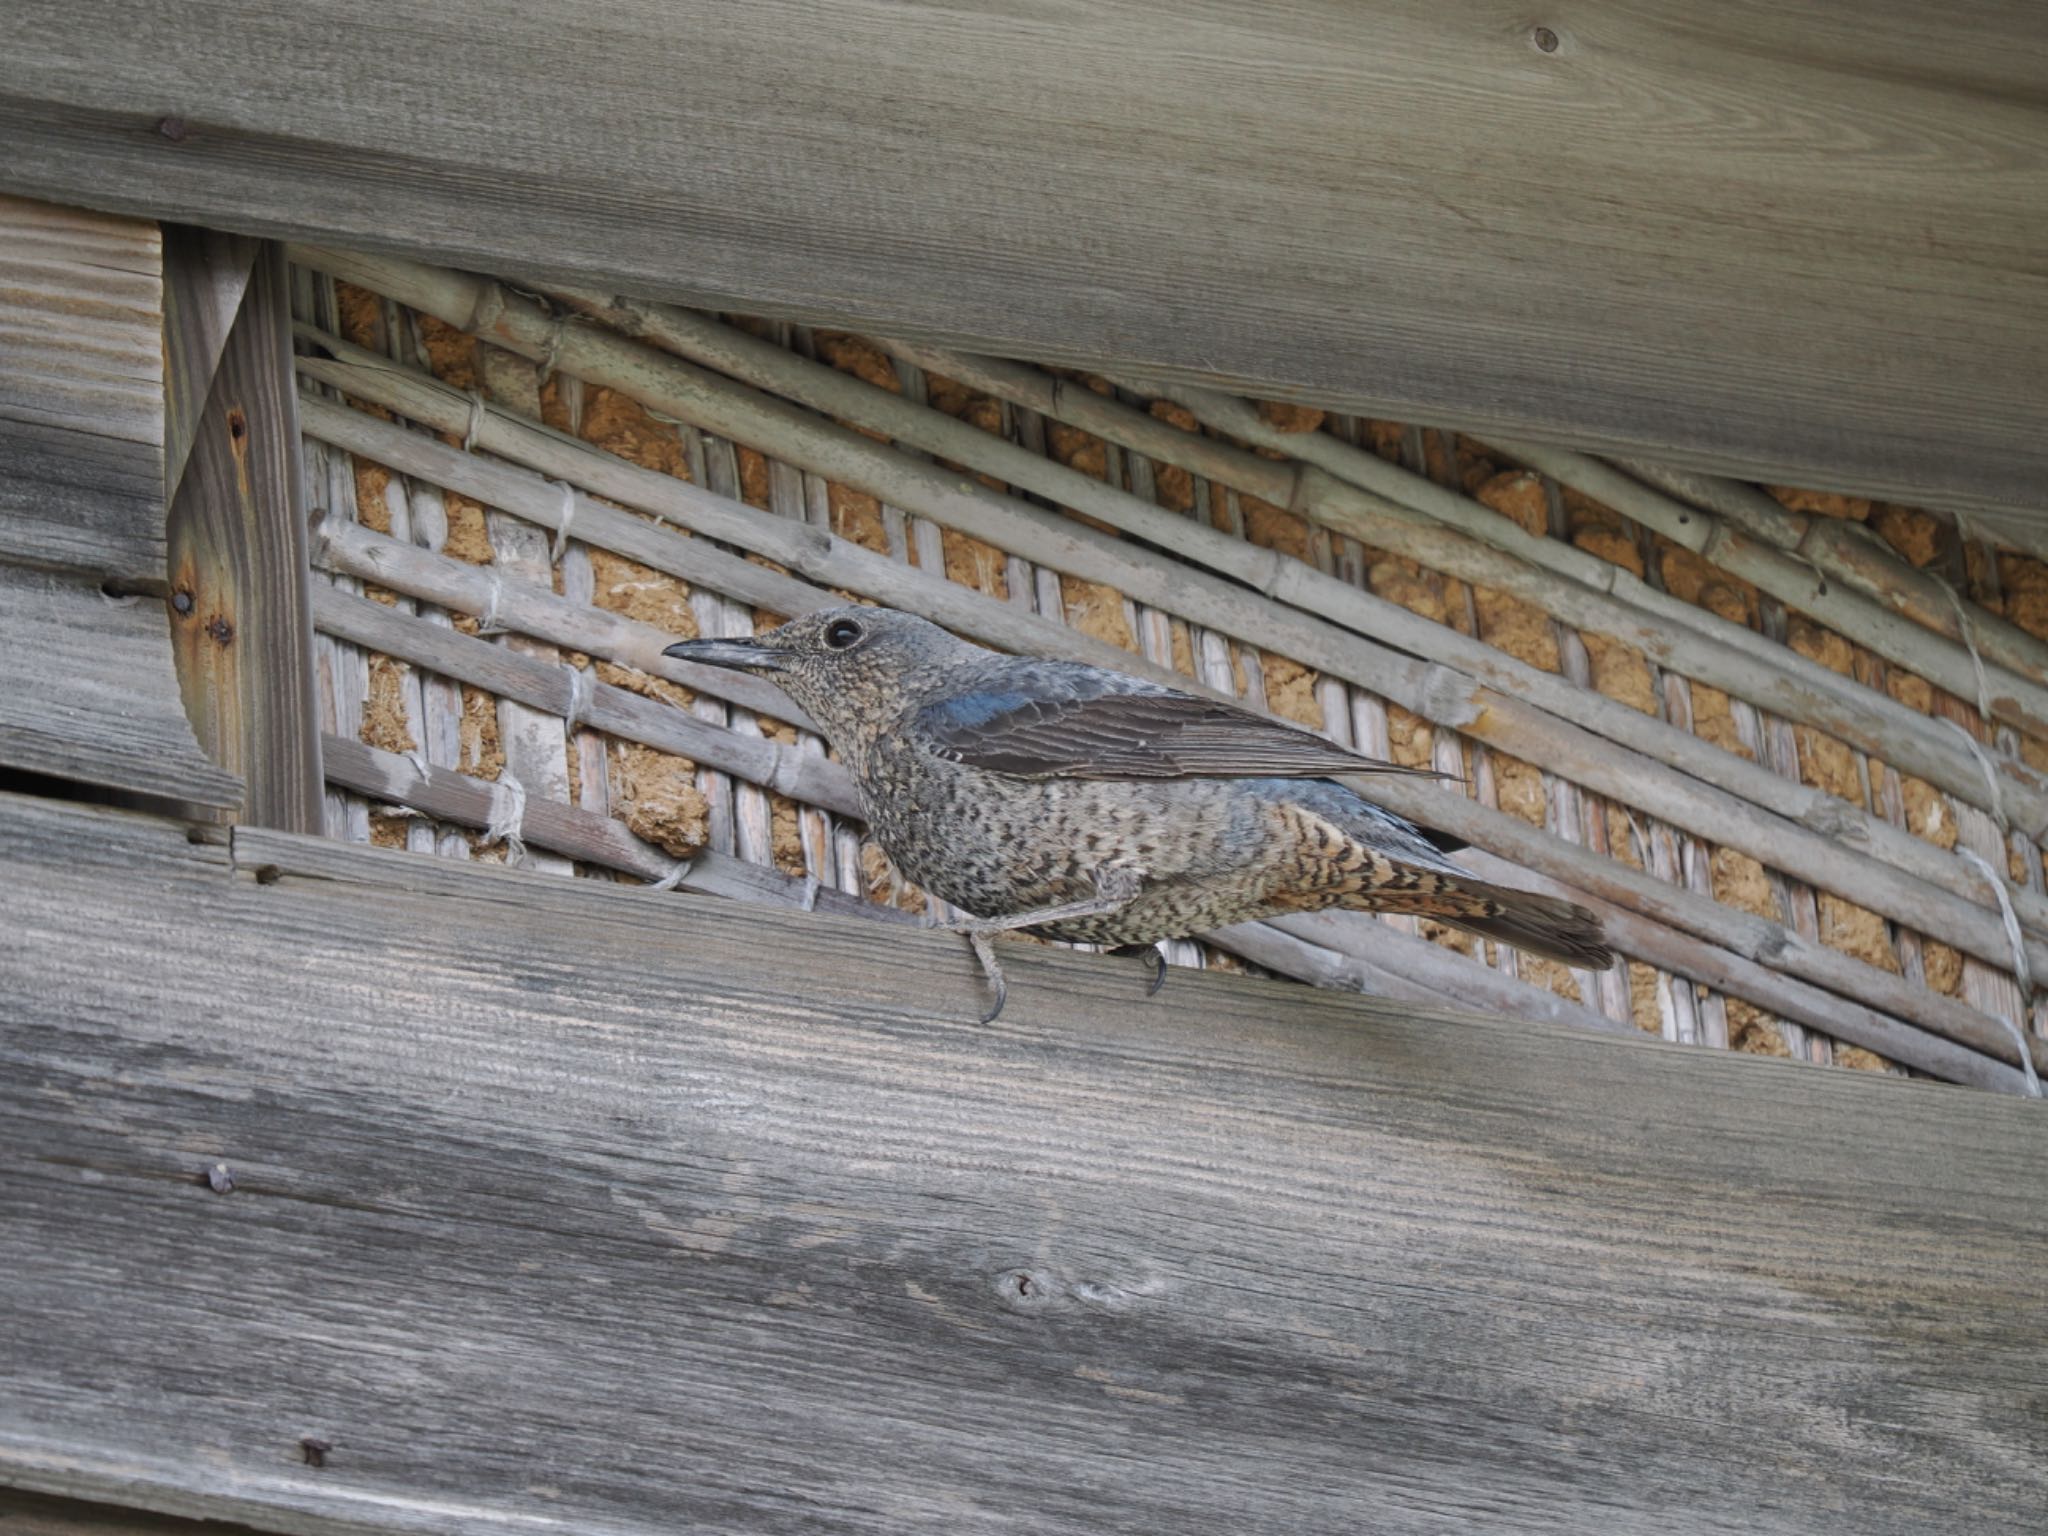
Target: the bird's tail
(1542, 925)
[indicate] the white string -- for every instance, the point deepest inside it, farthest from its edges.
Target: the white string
(582, 688)
(1990, 770)
(2020, 970)
(508, 817)
(672, 879)
(488, 624)
(1969, 637)
(476, 417)
(568, 517)
(418, 759)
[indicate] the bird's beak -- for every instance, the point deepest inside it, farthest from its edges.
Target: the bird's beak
(739, 655)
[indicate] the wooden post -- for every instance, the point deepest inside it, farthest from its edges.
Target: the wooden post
(240, 606)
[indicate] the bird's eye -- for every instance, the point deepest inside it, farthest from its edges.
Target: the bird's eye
(841, 633)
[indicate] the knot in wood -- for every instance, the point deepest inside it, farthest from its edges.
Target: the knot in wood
(1027, 1290)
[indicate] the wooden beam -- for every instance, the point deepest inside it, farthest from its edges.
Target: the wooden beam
(241, 602)
(206, 272)
(1766, 239)
(538, 1198)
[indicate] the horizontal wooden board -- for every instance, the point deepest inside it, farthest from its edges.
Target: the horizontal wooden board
(558, 1205)
(89, 693)
(1781, 240)
(90, 690)
(81, 391)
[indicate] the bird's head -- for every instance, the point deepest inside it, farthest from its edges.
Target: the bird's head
(854, 670)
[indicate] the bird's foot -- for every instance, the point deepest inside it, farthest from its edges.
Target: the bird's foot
(1150, 952)
(985, 951)
(981, 931)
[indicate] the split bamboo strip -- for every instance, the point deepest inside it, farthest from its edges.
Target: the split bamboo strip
(1775, 745)
(535, 746)
(1853, 553)
(467, 588)
(1932, 902)
(1942, 661)
(1724, 969)
(432, 705)
(580, 835)
(579, 585)
(1675, 855)
(341, 673)
(1352, 491)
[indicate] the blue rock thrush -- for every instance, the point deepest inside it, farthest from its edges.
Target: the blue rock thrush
(1081, 804)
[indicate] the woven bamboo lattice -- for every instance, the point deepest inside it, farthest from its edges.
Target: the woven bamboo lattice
(1789, 745)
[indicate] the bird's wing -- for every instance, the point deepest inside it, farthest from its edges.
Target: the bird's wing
(1056, 730)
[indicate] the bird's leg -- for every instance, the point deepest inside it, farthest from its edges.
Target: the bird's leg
(985, 951)
(1150, 952)
(1097, 906)
(980, 931)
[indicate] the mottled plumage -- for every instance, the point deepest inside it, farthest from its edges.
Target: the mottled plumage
(1013, 786)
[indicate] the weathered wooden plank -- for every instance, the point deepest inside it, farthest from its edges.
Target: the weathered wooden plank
(241, 604)
(87, 690)
(614, 1211)
(1772, 239)
(88, 693)
(81, 392)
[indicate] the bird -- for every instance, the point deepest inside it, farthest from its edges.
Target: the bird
(1073, 802)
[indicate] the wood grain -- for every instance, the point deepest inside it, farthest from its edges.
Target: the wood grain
(578, 1207)
(89, 692)
(1796, 243)
(81, 392)
(241, 604)
(206, 273)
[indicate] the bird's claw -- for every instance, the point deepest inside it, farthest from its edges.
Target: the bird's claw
(1150, 952)
(1002, 996)
(984, 951)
